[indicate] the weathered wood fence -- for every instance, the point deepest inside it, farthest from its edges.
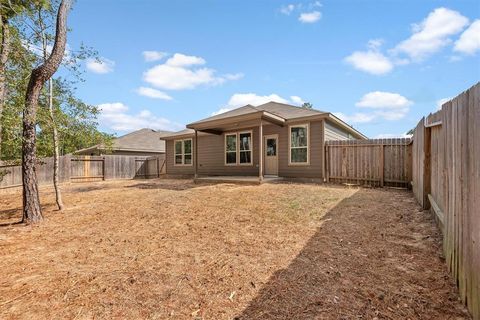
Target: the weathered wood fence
(376, 162)
(88, 168)
(446, 179)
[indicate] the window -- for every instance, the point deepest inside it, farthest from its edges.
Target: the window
(299, 144)
(183, 152)
(245, 142)
(238, 148)
(231, 148)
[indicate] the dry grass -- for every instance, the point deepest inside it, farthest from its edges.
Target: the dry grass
(170, 249)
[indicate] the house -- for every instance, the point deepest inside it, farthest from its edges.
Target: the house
(270, 140)
(143, 142)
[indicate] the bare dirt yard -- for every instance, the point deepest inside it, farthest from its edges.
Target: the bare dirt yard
(170, 249)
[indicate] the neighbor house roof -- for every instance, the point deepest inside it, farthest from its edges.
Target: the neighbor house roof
(144, 140)
(275, 112)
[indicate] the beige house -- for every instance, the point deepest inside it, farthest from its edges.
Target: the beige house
(143, 142)
(270, 140)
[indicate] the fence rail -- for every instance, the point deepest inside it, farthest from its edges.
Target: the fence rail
(446, 179)
(88, 169)
(376, 162)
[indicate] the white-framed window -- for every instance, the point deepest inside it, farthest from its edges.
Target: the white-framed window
(299, 144)
(239, 148)
(231, 149)
(183, 152)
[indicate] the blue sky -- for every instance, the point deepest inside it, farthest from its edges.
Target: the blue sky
(381, 65)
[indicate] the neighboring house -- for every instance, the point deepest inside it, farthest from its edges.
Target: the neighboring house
(143, 142)
(272, 139)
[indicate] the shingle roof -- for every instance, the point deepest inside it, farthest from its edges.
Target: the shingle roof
(282, 110)
(147, 140)
(142, 140)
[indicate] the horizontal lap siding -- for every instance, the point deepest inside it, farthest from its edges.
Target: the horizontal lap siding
(211, 155)
(334, 133)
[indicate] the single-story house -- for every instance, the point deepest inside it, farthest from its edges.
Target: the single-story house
(143, 142)
(273, 140)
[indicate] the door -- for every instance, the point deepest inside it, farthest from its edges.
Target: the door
(271, 155)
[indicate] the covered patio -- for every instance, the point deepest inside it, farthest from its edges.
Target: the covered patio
(247, 117)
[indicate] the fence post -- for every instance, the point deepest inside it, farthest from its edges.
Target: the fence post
(427, 141)
(382, 165)
(327, 169)
(103, 168)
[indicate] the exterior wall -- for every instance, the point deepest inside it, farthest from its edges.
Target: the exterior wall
(332, 132)
(211, 155)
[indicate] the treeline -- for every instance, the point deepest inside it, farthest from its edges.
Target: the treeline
(27, 35)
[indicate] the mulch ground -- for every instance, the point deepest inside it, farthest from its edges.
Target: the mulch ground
(171, 249)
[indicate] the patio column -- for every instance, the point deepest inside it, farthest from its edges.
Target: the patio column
(260, 151)
(195, 154)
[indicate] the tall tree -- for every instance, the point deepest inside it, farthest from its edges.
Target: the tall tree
(4, 52)
(31, 202)
(56, 154)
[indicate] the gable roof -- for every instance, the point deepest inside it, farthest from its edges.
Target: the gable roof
(146, 140)
(284, 111)
(275, 112)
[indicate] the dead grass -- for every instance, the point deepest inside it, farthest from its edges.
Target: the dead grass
(161, 249)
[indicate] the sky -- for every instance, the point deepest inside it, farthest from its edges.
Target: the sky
(379, 65)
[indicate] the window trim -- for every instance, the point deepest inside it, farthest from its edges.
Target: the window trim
(175, 154)
(237, 146)
(225, 148)
(302, 125)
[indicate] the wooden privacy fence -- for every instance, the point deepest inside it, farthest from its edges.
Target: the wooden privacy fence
(88, 168)
(375, 162)
(446, 179)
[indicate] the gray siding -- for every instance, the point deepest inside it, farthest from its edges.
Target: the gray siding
(332, 132)
(211, 155)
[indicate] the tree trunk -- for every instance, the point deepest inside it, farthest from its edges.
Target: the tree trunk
(56, 155)
(4, 50)
(58, 194)
(31, 203)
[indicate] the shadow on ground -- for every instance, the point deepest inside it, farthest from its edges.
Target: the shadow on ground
(375, 256)
(165, 185)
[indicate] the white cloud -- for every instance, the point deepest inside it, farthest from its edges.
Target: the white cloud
(150, 56)
(440, 102)
(179, 73)
(392, 135)
(296, 100)
(432, 34)
(387, 105)
(383, 100)
(287, 9)
(100, 65)
(371, 61)
(310, 17)
(116, 117)
(469, 41)
(242, 99)
(221, 110)
(181, 60)
(153, 93)
(356, 117)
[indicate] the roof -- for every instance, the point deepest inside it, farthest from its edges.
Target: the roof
(275, 112)
(282, 110)
(145, 140)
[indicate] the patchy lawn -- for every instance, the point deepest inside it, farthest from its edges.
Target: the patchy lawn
(161, 249)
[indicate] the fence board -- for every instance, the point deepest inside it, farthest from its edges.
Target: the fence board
(88, 169)
(453, 173)
(375, 162)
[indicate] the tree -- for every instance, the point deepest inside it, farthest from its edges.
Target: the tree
(307, 105)
(31, 203)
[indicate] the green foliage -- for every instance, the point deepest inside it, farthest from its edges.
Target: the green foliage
(307, 105)
(76, 121)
